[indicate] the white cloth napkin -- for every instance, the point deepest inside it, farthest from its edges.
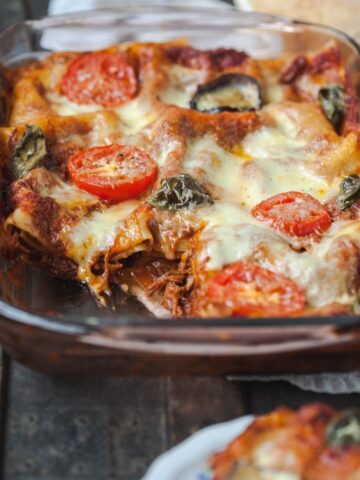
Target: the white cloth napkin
(334, 383)
(326, 382)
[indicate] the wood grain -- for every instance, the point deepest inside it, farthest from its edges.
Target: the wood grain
(112, 428)
(89, 427)
(196, 402)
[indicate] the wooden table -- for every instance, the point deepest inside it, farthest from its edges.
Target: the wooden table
(98, 428)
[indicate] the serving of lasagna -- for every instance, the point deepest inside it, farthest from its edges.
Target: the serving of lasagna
(207, 183)
(313, 443)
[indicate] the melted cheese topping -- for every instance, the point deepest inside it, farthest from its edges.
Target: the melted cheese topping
(134, 115)
(63, 106)
(111, 233)
(182, 85)
(97, 232)
(67, 194)
(283, 164)
(268, 162)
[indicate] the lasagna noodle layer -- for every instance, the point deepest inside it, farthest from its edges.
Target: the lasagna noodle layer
(55, 217)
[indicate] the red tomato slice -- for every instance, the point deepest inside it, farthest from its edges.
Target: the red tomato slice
(105, 79)
(113, 172)
(250, 290)
(325, 60)
(293, 213)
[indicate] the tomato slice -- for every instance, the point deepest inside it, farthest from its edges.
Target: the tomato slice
(105, 79)
(113, 172)
(293, 213)
(250, 290)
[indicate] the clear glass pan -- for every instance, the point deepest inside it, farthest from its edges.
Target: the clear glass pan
(55, 325)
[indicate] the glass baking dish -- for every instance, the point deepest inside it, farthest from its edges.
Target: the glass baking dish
(55, 325)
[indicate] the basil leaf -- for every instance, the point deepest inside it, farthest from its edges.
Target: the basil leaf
(332, 101)
(178, 193)
(349, 192)
(29, 152)
(344, 429)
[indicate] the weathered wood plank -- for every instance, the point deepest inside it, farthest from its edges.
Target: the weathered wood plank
(197, 402)
(69, 427)
(10, 12)
(89, 427)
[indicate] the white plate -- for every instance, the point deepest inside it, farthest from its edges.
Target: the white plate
(189, 459)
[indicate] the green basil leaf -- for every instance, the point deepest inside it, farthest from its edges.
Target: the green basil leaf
(344, 429)
(332, 101)
(349, 191)
(179, 193)
(29, 152)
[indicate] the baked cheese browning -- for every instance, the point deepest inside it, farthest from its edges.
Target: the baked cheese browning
(176, 132)
(64, 136)
(139, 98)
(286, 444)
(40, 216)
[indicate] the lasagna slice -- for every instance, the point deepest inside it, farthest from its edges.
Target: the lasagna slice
(313, 443)
(70, 232)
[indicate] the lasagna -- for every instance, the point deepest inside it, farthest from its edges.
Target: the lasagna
(313, 443)
(206, 183)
